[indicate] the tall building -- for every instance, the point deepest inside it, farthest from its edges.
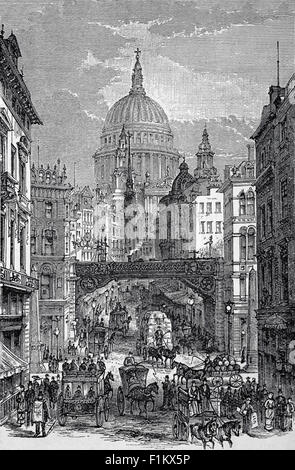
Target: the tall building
(274, 139)
(50, 198)
(136, 149)
(17, 284)
(240, 258)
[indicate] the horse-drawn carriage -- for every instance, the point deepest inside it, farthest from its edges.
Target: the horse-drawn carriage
(100, 341)
(205, 425)
(119, 320)
(134, 388)
(82, 394)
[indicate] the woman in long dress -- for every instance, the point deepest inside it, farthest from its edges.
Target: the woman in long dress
(21, 406)
(269, 406)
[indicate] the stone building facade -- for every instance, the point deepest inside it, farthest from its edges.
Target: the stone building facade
(17, 283)
(274, 139)
(240, 258)
(50, 197)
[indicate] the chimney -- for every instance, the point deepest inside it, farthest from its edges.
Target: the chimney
(251, 156)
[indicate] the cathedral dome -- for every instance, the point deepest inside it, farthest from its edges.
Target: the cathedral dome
(136, 108)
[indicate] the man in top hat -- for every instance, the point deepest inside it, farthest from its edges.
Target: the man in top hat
(40, 414)
(29, 399)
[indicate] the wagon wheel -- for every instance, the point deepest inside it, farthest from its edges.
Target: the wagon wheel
(175, 427)
(120, 401)
(106, 351)
(106, 409)
(235, 380)
(61, 417)
(217, 381)
(184, 431)
(99, 409)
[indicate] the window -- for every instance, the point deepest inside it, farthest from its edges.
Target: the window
(12, 242)
(242, 286)
(2, 238)
(209, 208)
(283, 130)
(46, 286)
(284, 198)
(34, 242)
(48, 242)
(22, 177)
(191, 219)
(251, 243)
(243, 244)
(250, 203)
(169, 225)
(270, 215)
(242, 199)
(202, 227)
(12, 161)
(229, 250)
(209, 227)
(284, 273)
(202, 207)
(218, 207)
(22, 247)
(218, 227)
(263, 220)
(48, 210)
(2, 152)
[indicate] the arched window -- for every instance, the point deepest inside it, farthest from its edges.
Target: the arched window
(242, 199)
(251, 243)
(46, 282)
(250, 203)
(243, 243)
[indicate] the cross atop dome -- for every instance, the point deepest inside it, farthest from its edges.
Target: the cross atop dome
(137, 77)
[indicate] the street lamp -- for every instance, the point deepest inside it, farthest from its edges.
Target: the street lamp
(190, 302)
(56, 332)
(229, 308)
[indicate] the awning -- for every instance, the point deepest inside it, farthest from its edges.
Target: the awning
(10, 364)
(276, 322)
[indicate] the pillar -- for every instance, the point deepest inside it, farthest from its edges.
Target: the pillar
(252, 337)
(34, 331)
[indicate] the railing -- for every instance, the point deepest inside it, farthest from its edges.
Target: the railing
(15, 277)
(7, 406)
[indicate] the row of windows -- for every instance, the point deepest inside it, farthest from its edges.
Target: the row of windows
(207, 227)
(140, 138)
(22, 234)
(266, 277)
(209, 208)
(14, 161)
(16, 106)
(247, 203)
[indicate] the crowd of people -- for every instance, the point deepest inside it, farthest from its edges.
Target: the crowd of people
(37, 403)
(87, 364)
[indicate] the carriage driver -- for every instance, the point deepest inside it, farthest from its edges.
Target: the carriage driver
(129, 360)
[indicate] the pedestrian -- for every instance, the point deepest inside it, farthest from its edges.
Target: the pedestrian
(248, 388)
(73, 366)
(206, 393)
(40, 414)
(227, 403)
(280, 411)
(289, 414)
(66, 366)
(60, 355)
(29, 398)
(21, 406)
(53, 390)
(246, 411)
(195, 399)
(83, 365)
(165, 385)
(269, 406)
(172, 392)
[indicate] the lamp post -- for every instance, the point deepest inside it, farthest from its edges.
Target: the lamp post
(56, 332)
(229, 312)
(190, 302)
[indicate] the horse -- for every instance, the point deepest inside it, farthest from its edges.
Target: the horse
(154, 353)
(143, 395)
(108, 389)
(180, 370)
(194, 374)
(169, 354)
(204, 432)
(224, 431)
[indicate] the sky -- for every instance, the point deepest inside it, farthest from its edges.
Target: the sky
(203, 60)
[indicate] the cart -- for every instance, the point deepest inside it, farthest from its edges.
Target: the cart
(184, 417)
(82, 394)
(131, 377)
